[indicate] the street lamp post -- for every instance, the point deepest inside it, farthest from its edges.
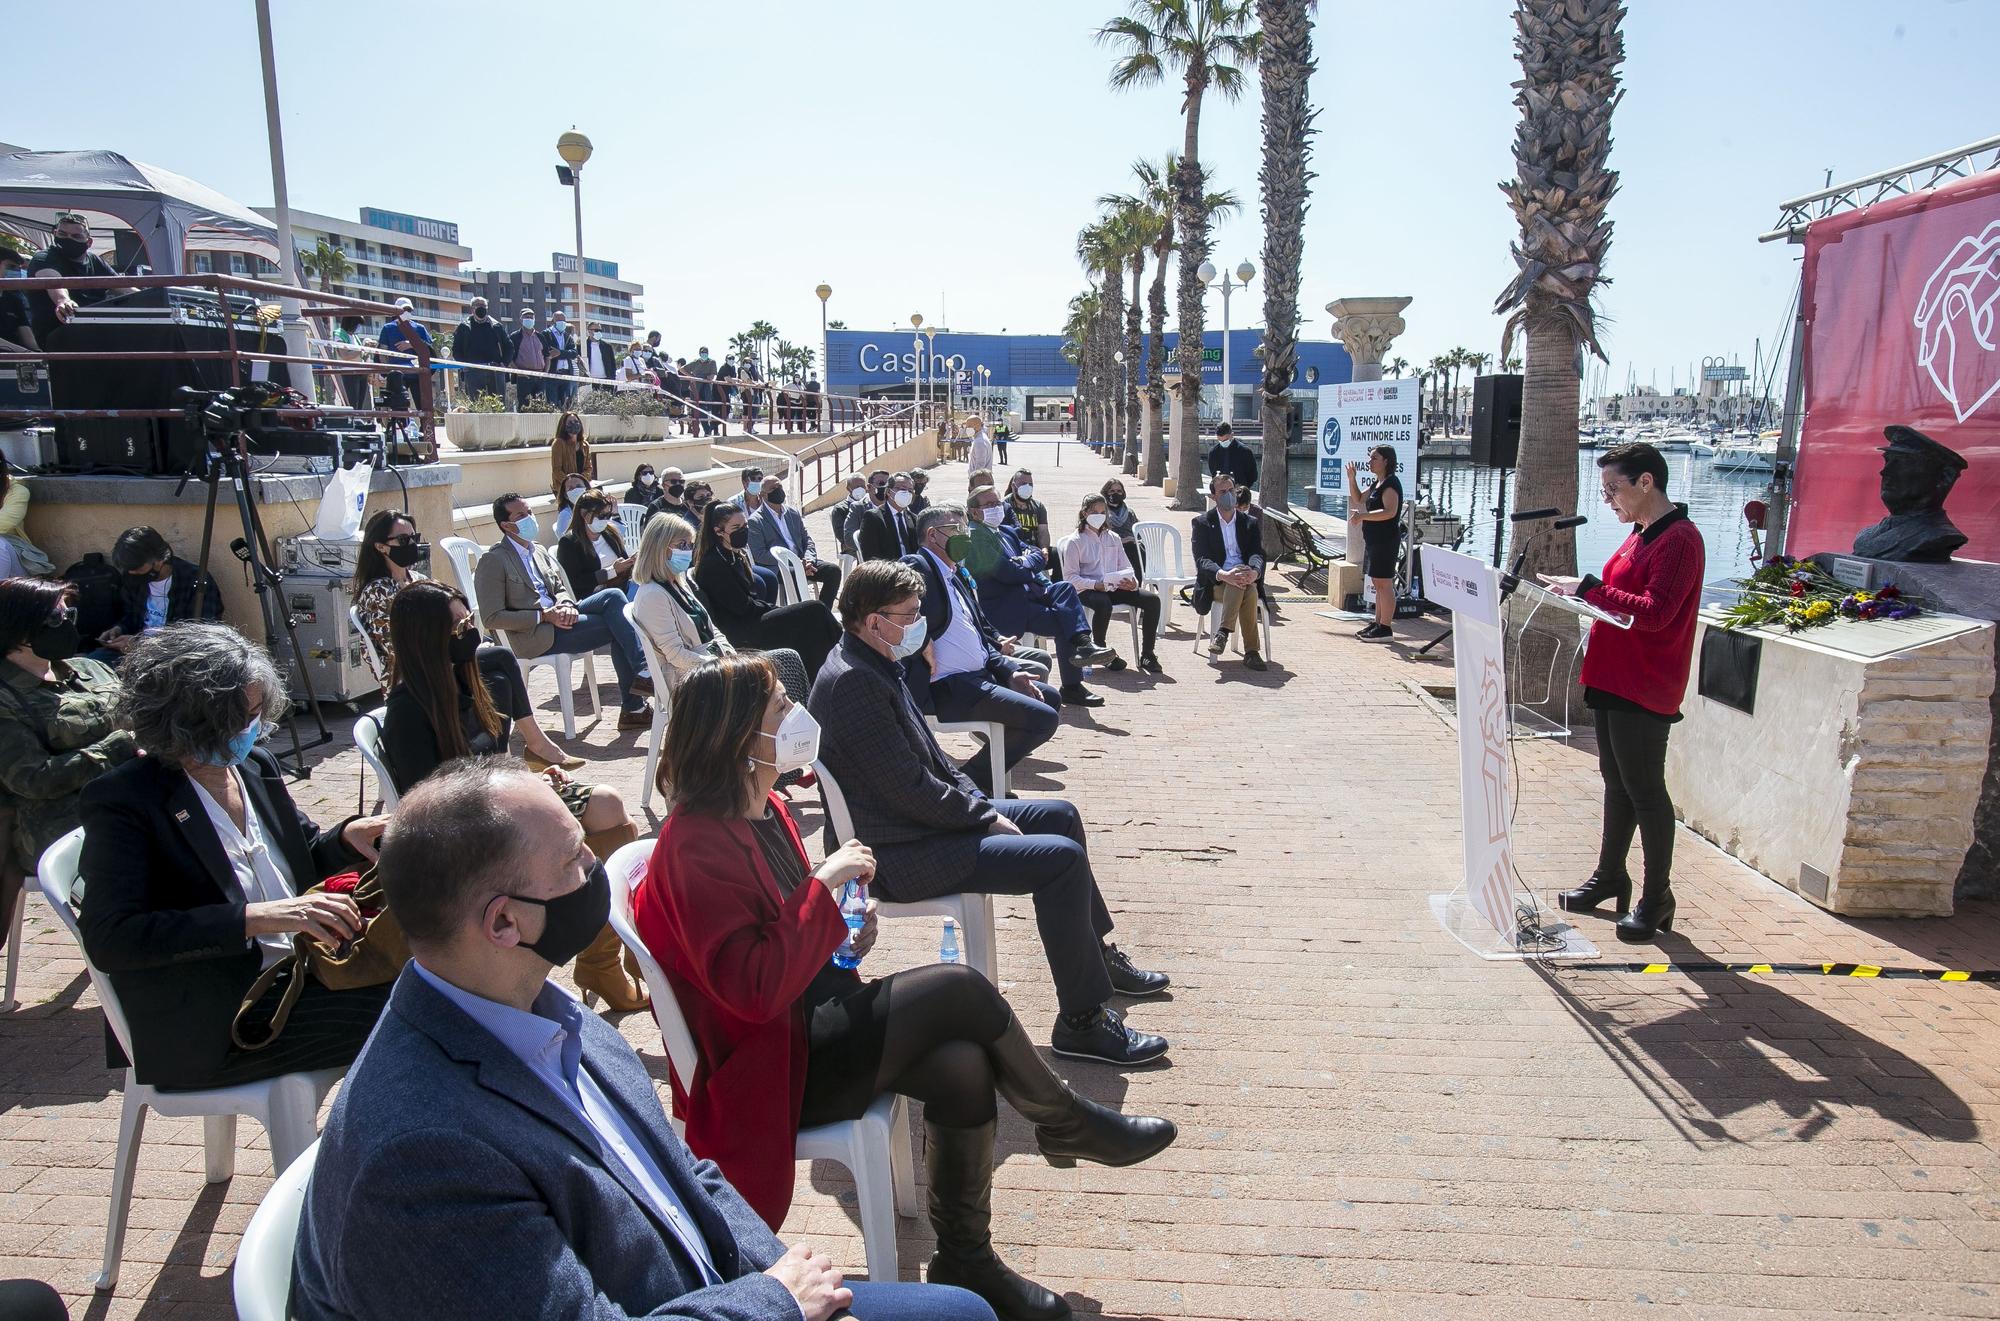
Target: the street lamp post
(930, 365)
(916, 377)
(574, 148)
(1119, 383)
(825, 291)
(1245, 273)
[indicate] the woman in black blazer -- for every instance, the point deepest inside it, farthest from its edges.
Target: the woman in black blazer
(195, 862)
(745, 616)
(592, 553)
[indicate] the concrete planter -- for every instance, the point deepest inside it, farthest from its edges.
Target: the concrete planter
(485, 431)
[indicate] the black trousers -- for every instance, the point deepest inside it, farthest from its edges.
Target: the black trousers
(326, 1029)
(500, 670)
(1147, 603)
(1632, 758)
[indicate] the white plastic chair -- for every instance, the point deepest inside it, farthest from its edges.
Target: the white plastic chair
(1209, 621)
(464, 554)
(368, 738)
(1165, 571)
(663, 700)
(792, 582)
(972, 912)
(875, 1148)
(14, 945)
(631, 522)
(375, 664)
(995, 735)
(262, 1277)
(287, 1106)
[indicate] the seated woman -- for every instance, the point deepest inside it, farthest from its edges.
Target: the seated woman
(390, 545)
(669, 610)
(745, 927)
(567, 493)
(195, 866)
(1094, 562)
(58, 723)
(1123, 519)
(592, 553)
(448, 704)
(744, 614)
(645, 487)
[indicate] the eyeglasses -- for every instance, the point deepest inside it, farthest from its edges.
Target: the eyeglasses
(900, 617)
(463, 626)
(406, 539)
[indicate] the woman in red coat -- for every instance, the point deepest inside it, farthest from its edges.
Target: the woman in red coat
(745, 927)
(1634, 679)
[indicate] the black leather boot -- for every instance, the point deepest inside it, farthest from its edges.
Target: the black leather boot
(1069, 1128)
(961, 1205)
(1586, 897)
(1653, 914)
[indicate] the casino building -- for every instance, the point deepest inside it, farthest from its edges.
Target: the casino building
(1027, 374)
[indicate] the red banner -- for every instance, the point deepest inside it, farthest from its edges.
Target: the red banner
(1902, 306)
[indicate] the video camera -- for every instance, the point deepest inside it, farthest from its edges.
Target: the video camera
(249, 410)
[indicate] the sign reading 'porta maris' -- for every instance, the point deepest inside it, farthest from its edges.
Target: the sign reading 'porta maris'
(1353, 419)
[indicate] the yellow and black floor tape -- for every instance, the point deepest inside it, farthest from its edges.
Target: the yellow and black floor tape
(1806, 970)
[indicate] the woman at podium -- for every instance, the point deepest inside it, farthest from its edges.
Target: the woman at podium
(1634, 679)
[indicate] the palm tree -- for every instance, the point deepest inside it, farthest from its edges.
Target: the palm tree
(1510, 364)
(836, 325)
(762, 333)
(1440, 376)
(326, 263)
(1084, 311)
(1138, 226)
(1205, 43)
(1570, 51)
(1396, 367)
(1284, 65)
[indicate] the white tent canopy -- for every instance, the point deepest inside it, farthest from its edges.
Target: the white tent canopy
(172, 215)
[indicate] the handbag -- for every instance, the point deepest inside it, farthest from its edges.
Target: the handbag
(374, 957)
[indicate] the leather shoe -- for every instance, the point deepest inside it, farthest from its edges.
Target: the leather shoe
(637, 718)
(1648, 918)
(1127, 978)
(1079, 695)
(1115, 664)
(1106, 1039)
(1252, 661)
(1150, 663)
(640, 687)
(1593, 892)
(1089, 653)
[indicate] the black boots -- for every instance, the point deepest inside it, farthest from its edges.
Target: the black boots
(961, 1206)
(1586, 897)
(1653, 914)
(1069, 1128)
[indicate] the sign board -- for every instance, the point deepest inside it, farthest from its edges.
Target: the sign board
(1353, 419)
(564, 263)
(1725, 373)
(442, 231)
(1471, 587)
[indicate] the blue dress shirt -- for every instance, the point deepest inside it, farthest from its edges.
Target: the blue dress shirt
(549, 1043)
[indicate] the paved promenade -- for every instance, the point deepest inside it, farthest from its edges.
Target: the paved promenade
(1373, 1121)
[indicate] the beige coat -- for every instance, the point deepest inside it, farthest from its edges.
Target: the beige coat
(507, 599)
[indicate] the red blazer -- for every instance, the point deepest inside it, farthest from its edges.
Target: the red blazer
(740, 956)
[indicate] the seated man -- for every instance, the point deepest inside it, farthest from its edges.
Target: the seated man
(496, 1151)
(935, 833)
(158, 588)
(1229, 562)
(889, 531)
(963, 673)
(524, 593)
(672, 498)
(776, 523)
(1018, 598)
(855, 505)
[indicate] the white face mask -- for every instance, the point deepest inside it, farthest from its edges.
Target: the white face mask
(914, 634)
(859, 495)
(991, 515)
(1025, 491)
(797, 741)
(1095, 520)
(598, 525)
(903, 499)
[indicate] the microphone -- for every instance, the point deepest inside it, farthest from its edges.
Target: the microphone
(1574, 520)
(1512, 578)
(1532, 515)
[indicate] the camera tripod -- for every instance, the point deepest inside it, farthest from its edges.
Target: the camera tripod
(227, 456)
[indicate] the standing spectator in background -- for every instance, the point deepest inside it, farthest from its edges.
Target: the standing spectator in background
(725, 390)
(569, 454)
(400, 335)
(349, 347)
(160, 588)
(979, 452)
(601, 356)
(1001, 435)
(481, 339)
(565, 358)
(701, 376)
(1123, 520)
(1025, 514)
(1226, 456)
(531, 350)
(812, 404)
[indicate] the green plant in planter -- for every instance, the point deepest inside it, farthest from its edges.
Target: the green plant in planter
(486, 403)
(595, 400)
(638, 403)
(539, 404)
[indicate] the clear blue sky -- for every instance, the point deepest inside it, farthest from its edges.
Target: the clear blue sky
(940, 158)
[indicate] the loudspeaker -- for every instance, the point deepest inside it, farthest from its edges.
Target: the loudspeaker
(1496, 421)
(157, 445)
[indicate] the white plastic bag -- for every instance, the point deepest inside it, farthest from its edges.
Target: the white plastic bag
(341, 503)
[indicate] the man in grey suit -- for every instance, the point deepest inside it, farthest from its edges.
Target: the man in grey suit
(496, 1151)
(524, 593)
(935, 833)
(776, 523)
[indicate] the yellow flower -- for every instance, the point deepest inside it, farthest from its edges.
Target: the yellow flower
(1818, 610)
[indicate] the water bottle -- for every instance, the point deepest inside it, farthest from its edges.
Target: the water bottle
(853, 907)
(948, 947)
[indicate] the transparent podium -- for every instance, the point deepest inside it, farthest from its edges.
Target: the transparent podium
(1542, 659)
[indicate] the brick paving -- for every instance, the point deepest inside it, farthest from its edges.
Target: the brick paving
(1373, 1121)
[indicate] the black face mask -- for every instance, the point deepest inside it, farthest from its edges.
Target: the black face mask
(403, 556)
(676, 489)
(776, 497)
(464, 646)
(1115, 501)
(58, 639)
(739, 538)
(74, 249)
(571, 921)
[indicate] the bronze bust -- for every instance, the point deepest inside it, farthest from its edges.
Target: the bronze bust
(1917, 475)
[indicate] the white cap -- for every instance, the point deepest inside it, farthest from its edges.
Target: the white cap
(406, 304)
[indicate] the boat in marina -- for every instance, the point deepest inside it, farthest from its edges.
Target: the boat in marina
(1757, 454)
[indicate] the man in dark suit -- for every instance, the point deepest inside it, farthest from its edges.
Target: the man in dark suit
(480, 338)
(1229, 563)
(1226, 455)
(935, 833)
(889, 531)
(1018, 596)
(964, 673)
(776, 523)
(496, 1151)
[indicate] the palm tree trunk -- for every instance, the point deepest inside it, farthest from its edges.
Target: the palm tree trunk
(1193, 224)
(1156, 365)
(1546, 477)
(1132, 367)
(1114, 393)
(1284, 66)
